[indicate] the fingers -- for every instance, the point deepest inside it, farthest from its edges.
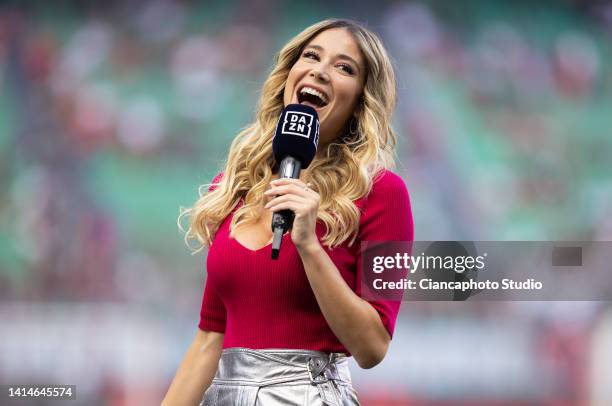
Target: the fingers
(287, 204)
(293, 186)
(291, 194)
(287, 181)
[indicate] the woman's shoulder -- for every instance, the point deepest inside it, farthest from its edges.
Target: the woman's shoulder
(386, 185)
(213, 184)
(386, 179)
(218, 177)
(387, 214)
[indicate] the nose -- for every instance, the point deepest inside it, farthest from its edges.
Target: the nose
(319, 74)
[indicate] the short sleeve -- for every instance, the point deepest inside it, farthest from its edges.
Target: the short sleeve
(212, 312)
(386, 216)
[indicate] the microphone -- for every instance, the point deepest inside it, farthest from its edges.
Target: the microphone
(294, 146)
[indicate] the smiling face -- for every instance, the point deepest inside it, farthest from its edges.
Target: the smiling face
(329, 75)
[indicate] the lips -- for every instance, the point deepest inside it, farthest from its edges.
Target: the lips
(312, 96)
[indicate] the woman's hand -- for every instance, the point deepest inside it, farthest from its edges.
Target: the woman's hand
(295, 195)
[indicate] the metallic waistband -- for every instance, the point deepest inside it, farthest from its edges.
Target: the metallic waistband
(245, 366)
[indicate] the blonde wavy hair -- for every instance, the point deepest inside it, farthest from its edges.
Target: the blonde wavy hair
(341, 173)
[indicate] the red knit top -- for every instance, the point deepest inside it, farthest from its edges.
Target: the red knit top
(263, 303)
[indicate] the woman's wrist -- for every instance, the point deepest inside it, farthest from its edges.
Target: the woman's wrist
(309, 248)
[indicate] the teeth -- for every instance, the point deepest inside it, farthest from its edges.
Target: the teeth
(315, 92)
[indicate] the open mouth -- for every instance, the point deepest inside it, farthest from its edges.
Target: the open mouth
(312, 97)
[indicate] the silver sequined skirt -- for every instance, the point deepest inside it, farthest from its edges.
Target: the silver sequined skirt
(284, 377)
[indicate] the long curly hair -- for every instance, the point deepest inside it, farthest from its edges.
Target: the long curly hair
(341, 173)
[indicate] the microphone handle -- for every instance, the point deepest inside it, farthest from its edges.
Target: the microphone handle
(283, 220)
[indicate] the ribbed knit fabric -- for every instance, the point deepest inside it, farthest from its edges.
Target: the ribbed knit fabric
(263, 303)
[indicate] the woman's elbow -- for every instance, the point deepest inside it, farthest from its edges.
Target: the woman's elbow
(372, 356)
(367, 363)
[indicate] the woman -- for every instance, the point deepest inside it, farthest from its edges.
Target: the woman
(279, 332)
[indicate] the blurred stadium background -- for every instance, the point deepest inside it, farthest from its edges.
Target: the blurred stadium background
(112, 113)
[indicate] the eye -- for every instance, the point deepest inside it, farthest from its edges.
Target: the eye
(347, 68)
(311, 55)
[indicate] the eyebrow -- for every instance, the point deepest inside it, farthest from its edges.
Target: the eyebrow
(341, 56)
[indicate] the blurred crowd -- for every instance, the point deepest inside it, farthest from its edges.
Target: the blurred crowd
(112, 113)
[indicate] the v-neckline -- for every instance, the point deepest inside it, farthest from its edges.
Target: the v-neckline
(251, 250)
(269, 244)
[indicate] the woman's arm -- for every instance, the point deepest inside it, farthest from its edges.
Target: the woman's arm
(353, 320)
(196, 371)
